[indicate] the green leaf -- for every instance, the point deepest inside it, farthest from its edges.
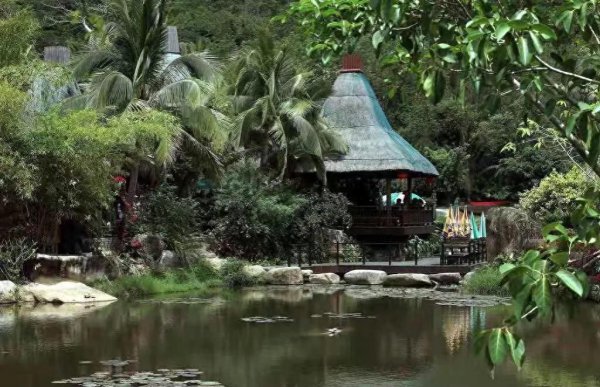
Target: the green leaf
(531, 257)
(542, 295)
(584, 280)
(506, 267)
(497, 347)
(523, 48)
(561, 258)
(378, 38)
(537, 44)
(567, 20)
(545, 31)
(517, 348)
(570, 281)
(501, 30)
(522, 299)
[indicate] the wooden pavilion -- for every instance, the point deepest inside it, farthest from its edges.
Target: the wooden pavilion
(380, 164)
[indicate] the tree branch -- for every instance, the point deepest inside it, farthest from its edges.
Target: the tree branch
(577, 144)
(563, 72)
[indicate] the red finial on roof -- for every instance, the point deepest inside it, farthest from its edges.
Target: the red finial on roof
(352, 63)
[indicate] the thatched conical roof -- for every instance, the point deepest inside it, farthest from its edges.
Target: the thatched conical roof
(375, 147)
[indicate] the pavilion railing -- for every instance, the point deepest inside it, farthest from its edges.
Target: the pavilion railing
(351, 252)
(395, 216)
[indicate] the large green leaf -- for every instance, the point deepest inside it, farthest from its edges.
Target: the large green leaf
(524, 53)
(516, 347)
(542, 295)
(497, 347)
(537, 44)
(561, 258)
(378, 38)
(544, 30)
(570, 281)
(501, 30)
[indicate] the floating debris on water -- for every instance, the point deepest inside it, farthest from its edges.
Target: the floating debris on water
(316, 316)
(333, 332)
(267, 320)
(161, 377)
(346, 315)
(185, 301)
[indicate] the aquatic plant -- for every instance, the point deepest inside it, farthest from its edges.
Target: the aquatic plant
(486, 281)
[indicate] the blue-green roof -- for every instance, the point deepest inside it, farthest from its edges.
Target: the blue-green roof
(375, 146)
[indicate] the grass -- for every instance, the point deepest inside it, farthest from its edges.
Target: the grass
(199, 277)
(486, 281)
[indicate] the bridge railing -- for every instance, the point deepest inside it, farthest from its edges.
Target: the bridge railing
(351, 252)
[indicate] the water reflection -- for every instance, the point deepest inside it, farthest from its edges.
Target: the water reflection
(410, 342)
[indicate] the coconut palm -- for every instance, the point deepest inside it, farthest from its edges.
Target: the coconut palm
(279, 110)
(125, 67)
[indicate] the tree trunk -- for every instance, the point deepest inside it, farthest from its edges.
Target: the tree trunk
(133, 181)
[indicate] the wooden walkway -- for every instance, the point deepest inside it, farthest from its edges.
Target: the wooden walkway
(424, 266)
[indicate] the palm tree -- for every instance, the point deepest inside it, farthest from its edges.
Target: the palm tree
(125, 67)
(279, 112)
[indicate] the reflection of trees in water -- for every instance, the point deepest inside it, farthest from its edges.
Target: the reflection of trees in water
(406, 338)
(571, 343)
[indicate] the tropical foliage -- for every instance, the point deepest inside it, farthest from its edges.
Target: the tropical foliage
(279, 110)
(494, 50)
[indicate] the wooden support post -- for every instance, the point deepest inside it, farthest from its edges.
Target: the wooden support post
(408, 197)
(337, 253)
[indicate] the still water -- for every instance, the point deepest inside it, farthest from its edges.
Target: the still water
(406, 342)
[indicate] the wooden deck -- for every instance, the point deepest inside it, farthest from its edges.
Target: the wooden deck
(425, 266)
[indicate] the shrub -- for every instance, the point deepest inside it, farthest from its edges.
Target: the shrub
(234, 276)
(486, 281)
(13, 255)
(163, 212)
(320, 212)
(554, 199)
(252, 217)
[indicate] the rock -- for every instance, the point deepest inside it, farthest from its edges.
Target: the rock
(65, 292)
(408, 280)
(324, 279)
(8, 292)
(306, 274)
(365, 277)
(254, 271)
(284, 276)
(25, 292)
(215, 263)
(468, 276)
(168, 259)
(446, 278)
(149, 245)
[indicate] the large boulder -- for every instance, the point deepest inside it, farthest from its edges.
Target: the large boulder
(149, 245)
(365, 277)
(168, 259)
(254, 271)
(8, 292)
(215, 263)
(324, 279)
(64, 292)
(446, 278)
(284, 276)
(408, 280)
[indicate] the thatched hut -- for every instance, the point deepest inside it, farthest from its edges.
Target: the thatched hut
(380, 164)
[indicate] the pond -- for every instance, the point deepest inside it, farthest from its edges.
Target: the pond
(380, 341)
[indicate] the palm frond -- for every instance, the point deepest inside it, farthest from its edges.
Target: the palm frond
(111, 89)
